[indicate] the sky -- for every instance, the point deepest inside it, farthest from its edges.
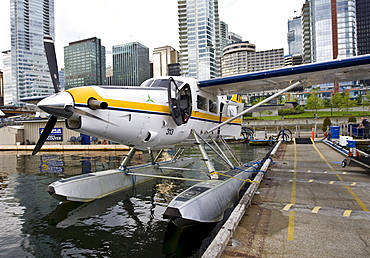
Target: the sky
(154, 23)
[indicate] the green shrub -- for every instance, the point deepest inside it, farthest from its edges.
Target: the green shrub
(326, 124)
(292, 111)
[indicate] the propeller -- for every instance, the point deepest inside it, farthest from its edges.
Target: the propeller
(53, 68)
(52, 62)
(45, 133)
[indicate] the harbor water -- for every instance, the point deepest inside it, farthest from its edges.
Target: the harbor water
(126, 224)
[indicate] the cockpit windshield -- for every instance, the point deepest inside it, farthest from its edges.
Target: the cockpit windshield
(159, 83)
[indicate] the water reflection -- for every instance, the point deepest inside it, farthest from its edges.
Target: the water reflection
(126, 224)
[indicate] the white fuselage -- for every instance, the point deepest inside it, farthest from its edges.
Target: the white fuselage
(141, 117)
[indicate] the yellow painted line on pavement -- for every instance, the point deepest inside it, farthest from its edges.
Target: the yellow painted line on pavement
(359, 202)
(316, 209)
(293, 196)
(291, 226)
(288, 206)
(347, 213)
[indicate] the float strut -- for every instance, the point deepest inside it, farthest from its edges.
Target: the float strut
(126, 161)
(209, 165)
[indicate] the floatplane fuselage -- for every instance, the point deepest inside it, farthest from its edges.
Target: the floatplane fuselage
(159, 114)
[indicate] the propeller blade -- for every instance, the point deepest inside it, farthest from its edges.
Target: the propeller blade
(45, 133)
(52, 62)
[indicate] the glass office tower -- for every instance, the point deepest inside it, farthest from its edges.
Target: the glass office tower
(363, 26)
(331, 30)
(85, 63)
(30, 21)
(295, 35)
(130, 64)
(199, 38)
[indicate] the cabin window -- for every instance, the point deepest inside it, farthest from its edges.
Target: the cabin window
(212, 106)
(202, 103)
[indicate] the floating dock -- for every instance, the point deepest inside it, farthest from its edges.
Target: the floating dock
(307, 205)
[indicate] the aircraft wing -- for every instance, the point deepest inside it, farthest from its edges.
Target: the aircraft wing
(339, 70)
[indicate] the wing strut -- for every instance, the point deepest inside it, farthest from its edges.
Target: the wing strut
(255, 106)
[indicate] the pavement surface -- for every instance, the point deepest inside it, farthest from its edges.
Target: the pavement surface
(306, 206)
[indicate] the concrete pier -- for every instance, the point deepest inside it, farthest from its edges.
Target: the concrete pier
(306, 206)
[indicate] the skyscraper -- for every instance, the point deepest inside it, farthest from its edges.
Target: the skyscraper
(332, 29)
(162, 58)
(30, 21)
(363, 26)
(85, 63)
(224, 35)
(329, 29)
(295, 35)
(234, 38)
(199, 38)
(130, 64)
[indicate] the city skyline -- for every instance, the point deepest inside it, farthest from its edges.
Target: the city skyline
(73, 25)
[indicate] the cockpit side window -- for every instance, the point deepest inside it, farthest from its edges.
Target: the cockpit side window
(159, 83)
(147, 83)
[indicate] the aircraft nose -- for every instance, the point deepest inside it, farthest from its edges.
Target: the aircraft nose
(60, 105)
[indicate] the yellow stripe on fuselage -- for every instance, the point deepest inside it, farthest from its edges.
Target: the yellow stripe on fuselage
(214, 118)
(83, 94)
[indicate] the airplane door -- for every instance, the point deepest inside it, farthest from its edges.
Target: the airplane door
(179, 101)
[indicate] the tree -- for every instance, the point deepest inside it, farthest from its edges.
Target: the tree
(347, 102)
(337, 100)
(314, 102)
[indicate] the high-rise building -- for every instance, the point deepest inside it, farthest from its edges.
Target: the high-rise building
(109, 74)
(224, 35)
(363, 29)
(9, 79)
(363, 26)
(307, 48)
(241, 57)
(234, 38)
(85, 63)
(332, 29)
(62, 81)
(329, 29)
(234, 58)
(130, 64)
(295, 35)
(199, 38)
(162, 58)
(30, 21)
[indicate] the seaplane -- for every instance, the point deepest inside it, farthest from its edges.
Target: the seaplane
(165, 112)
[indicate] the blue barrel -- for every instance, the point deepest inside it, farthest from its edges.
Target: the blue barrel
(334, 132)
(85, 139)
(351, 144)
